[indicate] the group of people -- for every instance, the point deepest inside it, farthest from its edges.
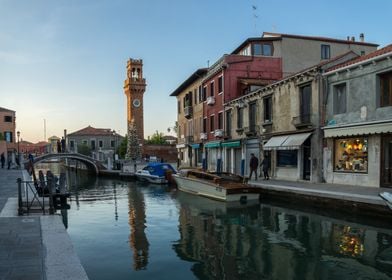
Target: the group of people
(61, 145)
(254, 164)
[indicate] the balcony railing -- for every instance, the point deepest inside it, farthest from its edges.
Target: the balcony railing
(188, 111)
(252, 130)
(302, 120)
(218, 133)
(210, 100)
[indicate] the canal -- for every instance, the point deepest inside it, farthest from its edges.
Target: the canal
(133, 230)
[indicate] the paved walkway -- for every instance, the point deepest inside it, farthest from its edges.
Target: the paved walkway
(29, 245)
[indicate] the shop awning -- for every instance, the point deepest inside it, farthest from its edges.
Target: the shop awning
(195, 146)
(358, 129)
(286, 142)
(275, 142)
(180, 146)
(214, 144)
(231, 144)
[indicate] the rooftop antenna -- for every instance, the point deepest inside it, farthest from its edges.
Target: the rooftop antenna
(208, 64)
(255, 16)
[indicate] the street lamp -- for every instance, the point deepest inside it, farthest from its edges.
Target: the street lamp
(18, 134)
(114, 148)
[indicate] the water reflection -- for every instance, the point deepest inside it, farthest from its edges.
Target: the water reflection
(137, 221)
(266, 242)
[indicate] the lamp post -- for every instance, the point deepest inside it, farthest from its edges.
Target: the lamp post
(114, 149)
(18, 158)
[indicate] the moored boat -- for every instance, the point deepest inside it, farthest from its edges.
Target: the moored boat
(224, 186)
(155, 172)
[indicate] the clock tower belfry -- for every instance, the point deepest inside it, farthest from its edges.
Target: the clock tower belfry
(134, 88)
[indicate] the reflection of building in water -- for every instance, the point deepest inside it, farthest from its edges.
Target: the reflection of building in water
(278, 243)
(137, 219)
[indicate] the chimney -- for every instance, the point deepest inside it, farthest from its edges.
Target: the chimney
(353, 39)
(362, 37)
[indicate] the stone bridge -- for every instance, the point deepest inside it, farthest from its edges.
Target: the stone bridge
(91, 163)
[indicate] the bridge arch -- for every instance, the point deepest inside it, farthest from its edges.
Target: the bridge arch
(91, 163)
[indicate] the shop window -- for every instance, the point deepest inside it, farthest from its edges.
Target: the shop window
(339, 99)
(351, 155)
(386, 89)
(287, 158)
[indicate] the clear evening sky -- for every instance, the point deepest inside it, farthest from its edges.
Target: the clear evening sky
(65, 60)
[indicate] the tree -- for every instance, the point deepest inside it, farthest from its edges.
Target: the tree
(174, 128)
(157, 138)
(122, 148)
(84, 150)
(133, 147)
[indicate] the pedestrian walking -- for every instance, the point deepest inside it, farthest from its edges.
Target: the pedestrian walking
(58, 146)
(2, 160)
(253, 164)
(265, 166)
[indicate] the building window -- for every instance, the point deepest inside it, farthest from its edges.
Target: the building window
(287, 158)
(179, 106)
(8, 136)
(7, 118)
(267, 109)
(195, 95)
(200, 90)
(240, 117)
(252, 116)
(112, 143)
(100, 143)
(262, 49)
(205, 125)
(386, 89)
(72, 144)
(84, 142)
(212, 89)
(339, 99)
(92, 145)
(220, 120)
(305, 103)
(212, 123)
(228, 122)
(351, 155)
(325, 52)
(220, 84)
(204, 93)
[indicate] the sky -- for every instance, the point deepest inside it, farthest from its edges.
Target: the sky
(63, 62)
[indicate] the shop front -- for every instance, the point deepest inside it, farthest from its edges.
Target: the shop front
(213, 156)
(359, 155)
(290, 156)
(232, 156)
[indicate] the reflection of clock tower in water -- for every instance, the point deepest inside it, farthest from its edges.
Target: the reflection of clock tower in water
(134, 88)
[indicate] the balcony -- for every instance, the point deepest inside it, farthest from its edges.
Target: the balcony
(188, 111)
(210, 100)
(252, 130)
(302, 121)
(218, 133)
(188, 139)
(203, 136)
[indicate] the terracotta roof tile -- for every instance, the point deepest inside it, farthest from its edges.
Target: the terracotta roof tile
(371, 55)
(89, 130)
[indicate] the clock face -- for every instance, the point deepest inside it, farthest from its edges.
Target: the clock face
(136, 103)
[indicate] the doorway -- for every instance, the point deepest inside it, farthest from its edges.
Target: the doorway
(306, 160)
(386, 161)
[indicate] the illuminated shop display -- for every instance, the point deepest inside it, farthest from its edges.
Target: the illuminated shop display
(351, 155)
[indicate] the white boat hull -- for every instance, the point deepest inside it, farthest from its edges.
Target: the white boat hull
(202, 188)
(145, 176)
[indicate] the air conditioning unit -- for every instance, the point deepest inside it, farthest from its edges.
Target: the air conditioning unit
(203, 136)
(210, 100)
(218, 133)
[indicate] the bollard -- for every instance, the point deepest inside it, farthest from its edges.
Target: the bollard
(20, 203)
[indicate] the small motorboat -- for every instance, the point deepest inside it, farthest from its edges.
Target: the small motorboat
(155, 172)
(387, 196)
(223, 186)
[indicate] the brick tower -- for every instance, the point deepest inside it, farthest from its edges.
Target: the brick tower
(134, 88)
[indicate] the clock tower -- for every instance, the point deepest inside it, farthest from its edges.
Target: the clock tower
(134, 88)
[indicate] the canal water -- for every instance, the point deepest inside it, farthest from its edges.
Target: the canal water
(133, 230)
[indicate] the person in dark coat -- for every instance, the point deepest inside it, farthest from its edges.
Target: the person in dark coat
(265, 167)
(253, 164)
(58, 146)
(63, 144)
(2, 160)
